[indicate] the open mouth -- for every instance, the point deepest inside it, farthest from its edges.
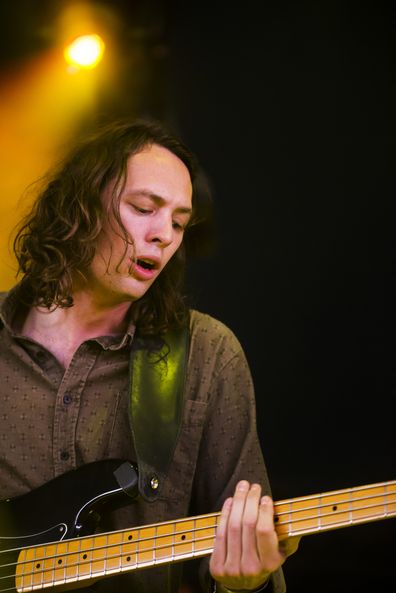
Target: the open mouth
(146, 264)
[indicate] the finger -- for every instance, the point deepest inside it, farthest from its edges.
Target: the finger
(267, 540)
(234, 529)
(250, 557)
(219, 554)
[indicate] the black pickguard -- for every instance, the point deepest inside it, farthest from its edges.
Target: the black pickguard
(64, 508)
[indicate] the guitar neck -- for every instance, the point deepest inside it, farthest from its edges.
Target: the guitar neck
(102, 555)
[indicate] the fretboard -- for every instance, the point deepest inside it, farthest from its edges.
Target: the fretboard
(98, 556)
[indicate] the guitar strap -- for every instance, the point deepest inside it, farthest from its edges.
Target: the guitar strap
(157, 377)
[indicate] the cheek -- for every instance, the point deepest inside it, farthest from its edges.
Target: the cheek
(173, 248)
(110, 253)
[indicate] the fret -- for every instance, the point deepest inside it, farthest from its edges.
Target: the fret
(386, 500)
(113, 552)
(350, 506)
(184, 535)
(47, 574)
(71, 551)
(24, 569)
(164, 545)
(145, 555)
(320, 511)
(193, 541)
(335, 510)
(374, 506)
(205, 531)
(281, 509)
(53, 564)
(290, 522)
(85, 557)
(304, 517)
(129, 548)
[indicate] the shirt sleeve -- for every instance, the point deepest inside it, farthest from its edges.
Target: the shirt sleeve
(230, 449)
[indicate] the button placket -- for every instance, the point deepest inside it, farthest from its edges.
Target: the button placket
(67, 409)
(67, 399)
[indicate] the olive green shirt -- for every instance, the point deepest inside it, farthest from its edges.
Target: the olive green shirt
(54, 420)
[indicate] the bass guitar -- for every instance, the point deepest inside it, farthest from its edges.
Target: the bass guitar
(43, 545)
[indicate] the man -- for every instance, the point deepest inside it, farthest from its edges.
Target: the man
(101, 258)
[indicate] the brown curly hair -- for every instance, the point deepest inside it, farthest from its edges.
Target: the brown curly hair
(57, 239)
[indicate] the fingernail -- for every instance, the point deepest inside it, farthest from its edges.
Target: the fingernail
(227, 503)
(243, 485)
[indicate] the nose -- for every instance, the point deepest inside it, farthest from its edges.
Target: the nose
(161, 231)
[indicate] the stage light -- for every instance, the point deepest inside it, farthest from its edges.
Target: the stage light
(85, 51)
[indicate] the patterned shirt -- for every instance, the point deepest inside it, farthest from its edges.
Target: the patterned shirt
(54, 420)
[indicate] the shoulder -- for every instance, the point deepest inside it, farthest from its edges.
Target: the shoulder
(217, 364)
(213, 336)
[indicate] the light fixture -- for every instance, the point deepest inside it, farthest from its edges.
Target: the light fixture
(85, 51)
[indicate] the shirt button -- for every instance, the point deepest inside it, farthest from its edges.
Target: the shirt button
(67, 399)
(64, 455)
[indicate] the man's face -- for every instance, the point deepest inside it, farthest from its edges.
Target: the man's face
(155, 207)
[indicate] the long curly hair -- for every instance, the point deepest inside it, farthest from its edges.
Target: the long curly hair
(57, 239)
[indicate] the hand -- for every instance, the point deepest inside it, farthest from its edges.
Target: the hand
(247, 548)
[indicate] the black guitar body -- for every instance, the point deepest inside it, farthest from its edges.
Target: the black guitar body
(67, 507)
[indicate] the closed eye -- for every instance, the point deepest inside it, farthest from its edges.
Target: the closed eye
(178, 226)
(142, 210)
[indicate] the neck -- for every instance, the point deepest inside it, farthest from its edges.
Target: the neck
(63, 330)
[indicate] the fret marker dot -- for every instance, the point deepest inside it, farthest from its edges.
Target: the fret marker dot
(38, 565)
(334, 507)
(183, 537)
(85, 556)
(276, 519)
(60, 561)
(130, 537)
(128, 558)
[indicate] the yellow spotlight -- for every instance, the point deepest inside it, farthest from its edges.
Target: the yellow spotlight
(85, 51)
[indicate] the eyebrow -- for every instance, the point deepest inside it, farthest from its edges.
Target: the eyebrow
(158, 199)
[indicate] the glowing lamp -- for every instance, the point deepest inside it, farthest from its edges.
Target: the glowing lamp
(85, 51)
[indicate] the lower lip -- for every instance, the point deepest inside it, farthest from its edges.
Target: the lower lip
(141, 273)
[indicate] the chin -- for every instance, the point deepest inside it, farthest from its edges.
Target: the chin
(134, 293)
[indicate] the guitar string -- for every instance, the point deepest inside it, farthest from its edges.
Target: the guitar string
(161, 536)
(80, 577)
(213, 515)
(217, 515)
(277, 505)
(187, 531)
(55, 581)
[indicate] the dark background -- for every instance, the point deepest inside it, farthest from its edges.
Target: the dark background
(290, 107)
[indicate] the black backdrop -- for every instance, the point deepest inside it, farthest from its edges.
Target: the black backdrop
(290, 107)
(292, 111)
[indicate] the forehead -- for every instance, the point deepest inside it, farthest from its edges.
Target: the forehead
(160, 170)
